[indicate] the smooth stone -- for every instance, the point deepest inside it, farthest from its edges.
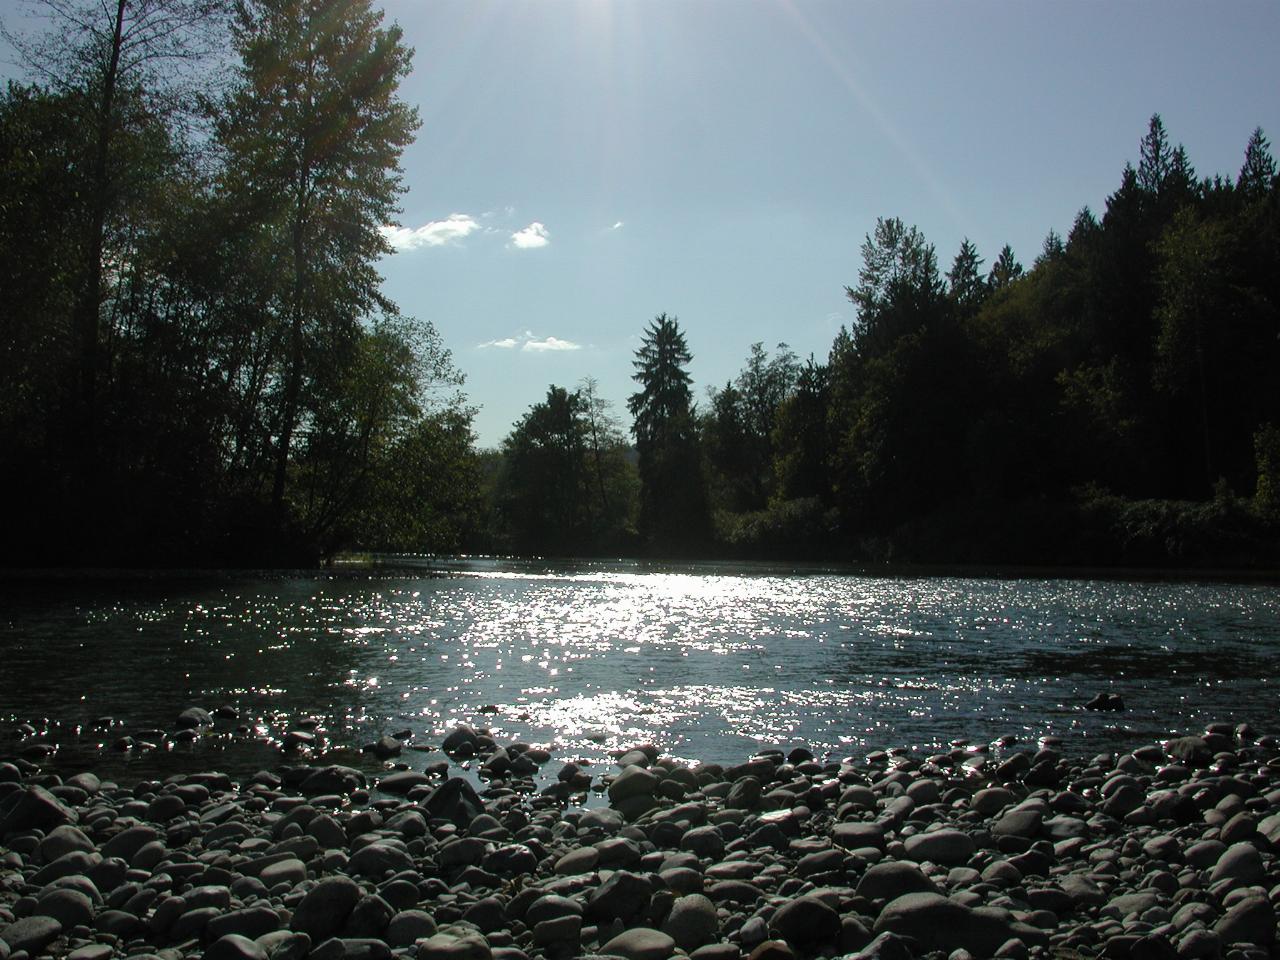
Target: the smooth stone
(1252, 920)
(445, 946)
(128, 842)
(31, 934)
(1019, 822)
(948, 848)
(71, 908)
(941, 924)
(325, 908)
(234, 947)
(640, 943)
(576, 862)
(290, 871)
(806, 923)
(62, 840)
(633, 781)
(692, 922)
(1240, 862)
(408, 927)
(890, 880)
(855, 835)
(375, 859)
(36, 809)
(557, 932)
(253, 922)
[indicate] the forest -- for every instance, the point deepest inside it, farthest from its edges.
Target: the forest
(198, 366)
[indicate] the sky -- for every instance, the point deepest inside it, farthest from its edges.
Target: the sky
(584, 165)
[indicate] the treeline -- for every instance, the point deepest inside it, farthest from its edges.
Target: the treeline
(198, 366)
(196, 362)
(1116, 403)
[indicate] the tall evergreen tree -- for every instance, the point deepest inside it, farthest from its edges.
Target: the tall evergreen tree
(673, 508)
(965, 285)
(1258, 173)
(1005, 270)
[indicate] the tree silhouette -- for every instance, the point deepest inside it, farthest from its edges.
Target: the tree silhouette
(673, 508)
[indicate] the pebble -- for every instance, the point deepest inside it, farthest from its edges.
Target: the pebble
(1167, 851)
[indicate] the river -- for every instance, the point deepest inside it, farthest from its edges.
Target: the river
(710, 663)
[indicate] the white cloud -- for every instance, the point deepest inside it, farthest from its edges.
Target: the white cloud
(437, 233)
(550, 343)
(528, 343)
(531, 237)
(617, 226)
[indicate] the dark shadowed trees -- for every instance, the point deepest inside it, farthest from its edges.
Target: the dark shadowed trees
(313, 134)
(673, 504)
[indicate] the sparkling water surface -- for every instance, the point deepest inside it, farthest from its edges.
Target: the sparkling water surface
(710, 663)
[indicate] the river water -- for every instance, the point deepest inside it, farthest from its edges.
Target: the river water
(710, 663)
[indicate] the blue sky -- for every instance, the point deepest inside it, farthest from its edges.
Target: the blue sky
(584, 165)
(722, 161)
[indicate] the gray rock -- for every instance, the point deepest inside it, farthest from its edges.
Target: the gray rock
(454, 800)
(692, 922)
(854, 835)
(1240, 862)
(1018, 822)
(408, 927)
(234, 947)
(445, 946)
(194, 717)
(579, 861)
(1252, 920)
(325, 908)
(1193, 751)
(624, 896)
(704, 841)
(31, 934)
(62, 840)
(291, 871)
(888, 881)
(128, 842)
(640, 943)
(633, 781)
(551, 907)
(806, 923)
(71, 908)
(402, 781)
(937, 923)
(285, 945)
(560, 932)
(253, 922)
(35, 809)
(949, 848)
(376, 859)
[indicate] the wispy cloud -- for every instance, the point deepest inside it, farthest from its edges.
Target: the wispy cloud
(527, 343)
(617, 226)
(531, 237)
(437, 233)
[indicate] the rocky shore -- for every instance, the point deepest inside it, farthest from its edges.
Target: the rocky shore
(989, 850)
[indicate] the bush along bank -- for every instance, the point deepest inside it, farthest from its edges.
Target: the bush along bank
(1167, 851)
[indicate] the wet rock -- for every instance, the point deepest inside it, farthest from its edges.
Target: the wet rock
(1240, 862)
(194, 717)
(937, 923)
(33, 808)
(633, 781)
(71, 908)
(454, 800)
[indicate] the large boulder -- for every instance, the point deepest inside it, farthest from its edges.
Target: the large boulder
(937, 923)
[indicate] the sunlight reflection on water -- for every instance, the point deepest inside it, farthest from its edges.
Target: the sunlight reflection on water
(710, 665)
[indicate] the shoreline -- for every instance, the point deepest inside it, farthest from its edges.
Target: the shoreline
(1168, 850)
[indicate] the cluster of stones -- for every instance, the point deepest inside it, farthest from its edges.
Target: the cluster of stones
(1168, 851)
